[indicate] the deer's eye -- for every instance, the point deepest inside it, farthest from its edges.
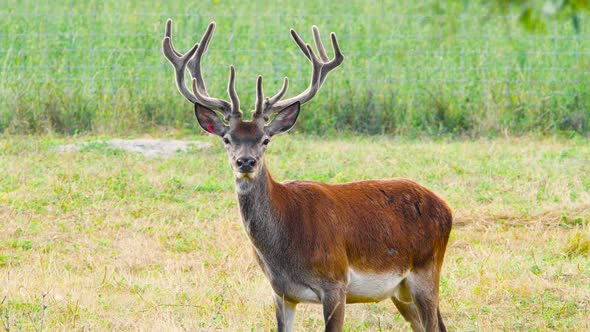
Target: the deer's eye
(225, 140)
(265, 142)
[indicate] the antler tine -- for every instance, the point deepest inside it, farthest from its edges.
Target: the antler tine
(168, 34)
(319, 44)
(194, 64)
(328, 65)
(280, 94)
(338, 59)
(192, 59)
(264, 105)
(178, 61)
(320, 68)
(231, 90)
(300, 43)
(259, 97)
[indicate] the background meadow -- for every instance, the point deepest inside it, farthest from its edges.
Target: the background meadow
(460, 68)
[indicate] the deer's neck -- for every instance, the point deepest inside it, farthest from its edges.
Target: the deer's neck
(258, 216)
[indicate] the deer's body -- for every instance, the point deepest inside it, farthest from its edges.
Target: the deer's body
(318, 243)
(360, 234)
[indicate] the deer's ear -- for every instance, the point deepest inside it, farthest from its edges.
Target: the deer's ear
(284, 120)
(210, 121)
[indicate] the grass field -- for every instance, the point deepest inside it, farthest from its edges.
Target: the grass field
(104, 239)
(452, 68)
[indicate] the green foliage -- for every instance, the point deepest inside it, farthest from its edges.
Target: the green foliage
(535, 13)
(411, 68)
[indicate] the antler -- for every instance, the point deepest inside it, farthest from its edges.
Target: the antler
(320, 69)
(192, 61)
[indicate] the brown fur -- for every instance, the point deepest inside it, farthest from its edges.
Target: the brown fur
(375, 226)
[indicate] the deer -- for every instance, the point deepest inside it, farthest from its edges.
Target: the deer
(328, 244)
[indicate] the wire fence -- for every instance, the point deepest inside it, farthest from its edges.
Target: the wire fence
(100, 68)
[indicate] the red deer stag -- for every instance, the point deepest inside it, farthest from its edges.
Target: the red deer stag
(319, 243)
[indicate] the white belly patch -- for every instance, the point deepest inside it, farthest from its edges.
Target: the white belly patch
(372, 287)
(306, 295)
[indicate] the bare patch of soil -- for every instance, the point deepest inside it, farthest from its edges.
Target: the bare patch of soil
(147, 147)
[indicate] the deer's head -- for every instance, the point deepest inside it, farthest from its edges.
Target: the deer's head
(246, 141)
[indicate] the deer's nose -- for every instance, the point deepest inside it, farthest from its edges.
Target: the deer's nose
(246, 164)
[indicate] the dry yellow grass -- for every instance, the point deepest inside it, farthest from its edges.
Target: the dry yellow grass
(102, 239)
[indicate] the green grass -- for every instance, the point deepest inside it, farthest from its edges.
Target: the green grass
(412, 67)
(105, 239)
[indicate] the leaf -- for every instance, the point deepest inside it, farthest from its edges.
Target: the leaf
(581, 4)
(530, 21)
(576, 22)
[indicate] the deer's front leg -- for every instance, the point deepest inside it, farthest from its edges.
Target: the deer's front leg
(333, 302)
(285, 311)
